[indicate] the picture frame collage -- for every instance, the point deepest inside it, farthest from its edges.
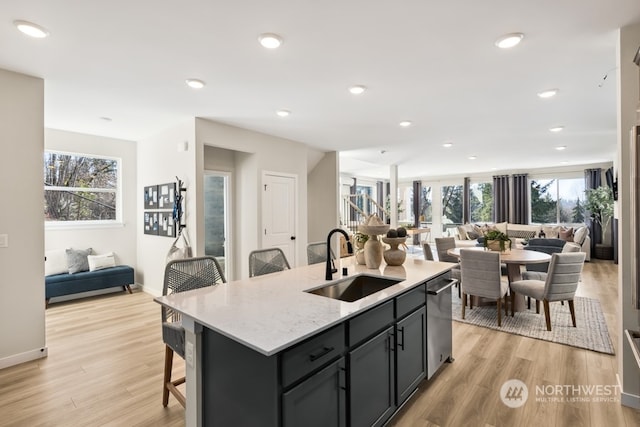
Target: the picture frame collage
(158, 210)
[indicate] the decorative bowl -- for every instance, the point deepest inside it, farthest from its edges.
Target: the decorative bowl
(373, 230)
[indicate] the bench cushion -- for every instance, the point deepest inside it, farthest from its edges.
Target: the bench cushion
(67, 284)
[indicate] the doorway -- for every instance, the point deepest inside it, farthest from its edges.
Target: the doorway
(217, 219)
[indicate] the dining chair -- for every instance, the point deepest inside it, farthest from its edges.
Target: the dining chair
(265, 261)
(542, 275)
(180, 276)
(560, 284)
(317, 253)
(428, 253)
(481, 277)
(443, 244)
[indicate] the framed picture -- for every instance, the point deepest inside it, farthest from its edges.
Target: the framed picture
(151, 197)
(166, 195)
(151, 225)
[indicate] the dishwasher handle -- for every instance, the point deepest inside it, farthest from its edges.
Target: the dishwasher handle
(442, 288)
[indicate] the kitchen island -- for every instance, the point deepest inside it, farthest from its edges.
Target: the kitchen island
(264, 351)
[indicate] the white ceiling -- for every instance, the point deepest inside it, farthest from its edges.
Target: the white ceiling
(431, 62)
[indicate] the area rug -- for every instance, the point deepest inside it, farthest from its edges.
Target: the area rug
(591, 332)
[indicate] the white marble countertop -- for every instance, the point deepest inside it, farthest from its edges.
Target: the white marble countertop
(272, 312)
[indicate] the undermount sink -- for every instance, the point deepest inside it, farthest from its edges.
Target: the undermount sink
(354, 288)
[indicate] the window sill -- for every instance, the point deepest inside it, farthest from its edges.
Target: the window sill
(81, 225)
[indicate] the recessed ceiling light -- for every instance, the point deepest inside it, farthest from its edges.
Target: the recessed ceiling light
(106, 119)
(31, 29)
(472, 157)
(447, 145)
(561, 147)
(564, 163)
(283, 113)
(195, 83)
(509, 40)
(270, 40)
(556, 129)
(405, 123)
(357, 89)
(549, 93)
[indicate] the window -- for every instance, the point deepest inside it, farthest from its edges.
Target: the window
(426, 205)
(405, 203)
(481, 202)
(80, 188)
(557, 200)
(451, 208)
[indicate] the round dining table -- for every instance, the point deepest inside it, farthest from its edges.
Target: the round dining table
(513, 258)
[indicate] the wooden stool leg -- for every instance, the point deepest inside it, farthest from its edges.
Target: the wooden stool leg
(547, 314)
(499, 311)
(572, 309)
(464, 303)
(168, 365)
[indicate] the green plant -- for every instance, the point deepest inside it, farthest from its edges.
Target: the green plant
(600, 203)
(498, 236)
(360, 239)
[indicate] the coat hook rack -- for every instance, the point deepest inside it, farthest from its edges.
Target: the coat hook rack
(178, 210)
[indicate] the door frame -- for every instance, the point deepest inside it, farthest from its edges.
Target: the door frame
(228, 201)
(296, 220)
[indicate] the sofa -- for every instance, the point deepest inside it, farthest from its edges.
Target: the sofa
(577, 234)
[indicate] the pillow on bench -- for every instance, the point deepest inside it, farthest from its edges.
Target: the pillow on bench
(100, 262)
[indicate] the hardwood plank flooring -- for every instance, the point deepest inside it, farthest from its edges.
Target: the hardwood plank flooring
(106, 357)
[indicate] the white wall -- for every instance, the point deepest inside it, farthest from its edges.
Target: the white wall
(22, 326)
(255, 153)
(121, 238)
(323, 196)
(628, 95)
(159, 162)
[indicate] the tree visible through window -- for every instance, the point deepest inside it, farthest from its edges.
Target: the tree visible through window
(557, 200)
(80, 188)
(451, 206)
(481, 202)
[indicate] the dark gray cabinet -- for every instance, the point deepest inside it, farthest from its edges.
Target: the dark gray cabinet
(371, 381)
(411, 353)
(319, 401)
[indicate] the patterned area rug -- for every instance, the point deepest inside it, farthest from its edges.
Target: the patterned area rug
(591, 332)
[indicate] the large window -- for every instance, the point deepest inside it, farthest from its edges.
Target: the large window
(481, 202)
(79, 188)
(451, 208)
(557, 200)
(426, 205)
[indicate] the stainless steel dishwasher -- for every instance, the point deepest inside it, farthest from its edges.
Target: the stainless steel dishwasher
(439, 337)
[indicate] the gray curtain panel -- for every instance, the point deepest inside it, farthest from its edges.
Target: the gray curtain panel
(466, 199)
(593, 179)
(501, 198)
(520, 199)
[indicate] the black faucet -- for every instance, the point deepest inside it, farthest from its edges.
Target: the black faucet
(330, 268)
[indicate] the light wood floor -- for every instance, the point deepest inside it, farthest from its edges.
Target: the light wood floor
(106, 356)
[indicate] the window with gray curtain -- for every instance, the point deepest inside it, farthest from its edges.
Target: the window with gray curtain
(520, 199)
(501, 198)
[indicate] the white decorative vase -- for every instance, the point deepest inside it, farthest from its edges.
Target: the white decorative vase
(373, 252)
(394, 256)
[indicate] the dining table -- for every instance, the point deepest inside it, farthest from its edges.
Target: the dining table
(514, 259)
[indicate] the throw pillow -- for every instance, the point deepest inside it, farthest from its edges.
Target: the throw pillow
(472, 235)
(566, 234)
(462, 232)
(551, 232)
(77, 260)
(580, 235)
(501, 227)
(55, 262)
(99, 262)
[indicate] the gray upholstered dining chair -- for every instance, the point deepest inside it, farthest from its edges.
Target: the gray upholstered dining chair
(560, 284)
(265, 261)
(317, 253)
(542, 275)
(180, 276)
(443, 244)
(428, 253)
(481, 277)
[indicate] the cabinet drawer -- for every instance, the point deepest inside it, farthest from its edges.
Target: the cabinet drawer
(370, 322)
(411, 300)
(312, 354)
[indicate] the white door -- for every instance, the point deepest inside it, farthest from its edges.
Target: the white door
(279, 213)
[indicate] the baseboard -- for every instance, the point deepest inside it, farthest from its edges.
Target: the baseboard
(27, 356)
(151, 291)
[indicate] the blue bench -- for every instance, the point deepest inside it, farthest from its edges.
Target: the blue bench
(67, 284)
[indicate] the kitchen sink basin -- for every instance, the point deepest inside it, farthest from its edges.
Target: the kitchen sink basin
(353, 288)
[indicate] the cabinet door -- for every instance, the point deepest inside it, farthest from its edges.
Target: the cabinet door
(319, 401)
(371, 381)
(411, 353)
